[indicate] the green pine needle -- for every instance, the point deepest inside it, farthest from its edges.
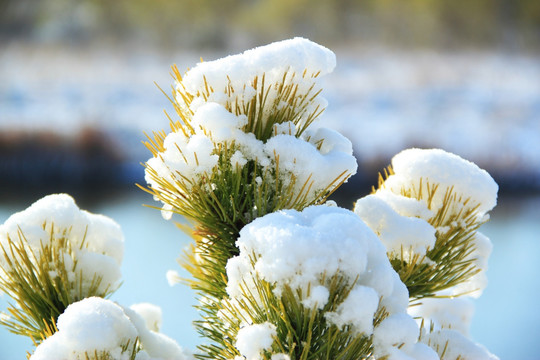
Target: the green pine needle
(448, 262)
(41, 284)
(302, 333)
(222, 202)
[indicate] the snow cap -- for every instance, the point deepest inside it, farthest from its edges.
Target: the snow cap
(96, 241)
(92, 324)
(446, 169)
(295, 55)
(253, 339)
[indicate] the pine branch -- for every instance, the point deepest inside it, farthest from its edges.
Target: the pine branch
(42, 283)
(221, 200)
(302, 333)
(448, 263)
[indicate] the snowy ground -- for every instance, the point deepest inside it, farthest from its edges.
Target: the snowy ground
(484, 106)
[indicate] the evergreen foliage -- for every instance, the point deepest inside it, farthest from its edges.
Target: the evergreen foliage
(42, 283)
(250, 206)
(222, 202)
(449, 262)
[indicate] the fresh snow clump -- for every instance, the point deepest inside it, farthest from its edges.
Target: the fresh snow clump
(189, 156)
(299, 159)
(437, 166)
(154, 344)
(297, 248)
(317, 298)
(237, 79)
(303, 250)
(292, 56)
(151, 314)
(408, 216)
(399, 234)
(96, 325)
(450, 313)
(456, 346)
(395, 339)
(253, 339)
(213, 98)
(479, 257)
(92, 324)
(360, 316)
(96, 242)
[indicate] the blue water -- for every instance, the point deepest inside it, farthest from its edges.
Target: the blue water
(507, 319)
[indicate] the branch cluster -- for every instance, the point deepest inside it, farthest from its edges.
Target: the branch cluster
(284, 274)
(280, 272)
(58, 264)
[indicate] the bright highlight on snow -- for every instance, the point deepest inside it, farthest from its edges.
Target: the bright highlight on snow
(451, 344)
(294, 55)
(93, 324)
(238, 79)
(447, 171)
(450, 313)
(253, 339)
(400, 234)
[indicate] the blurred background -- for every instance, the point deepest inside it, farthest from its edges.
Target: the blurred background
(78, 91)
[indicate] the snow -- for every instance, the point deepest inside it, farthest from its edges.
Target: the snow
(405, 235)
(405, 206)
(318, 158)
(289, 247)
(300, 249)
(448, 170)
(92, 265)
(235, 80)
(311, 162)
(253, 339)
(189, 156)
(217, 121)
(57, 212)
(483, 248)
(455, 346)
(151, 314)
(403, 222)
(480, 256)
(96, 241)
(85, 326)
(96, 324)
(297, 248)
(301, 160)
(104, 235)
(396, 337)
(157, 345)
(173, 277)
(280, 356)
(294, 55)
(317, 297)
(446, 312)
(349, 312)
